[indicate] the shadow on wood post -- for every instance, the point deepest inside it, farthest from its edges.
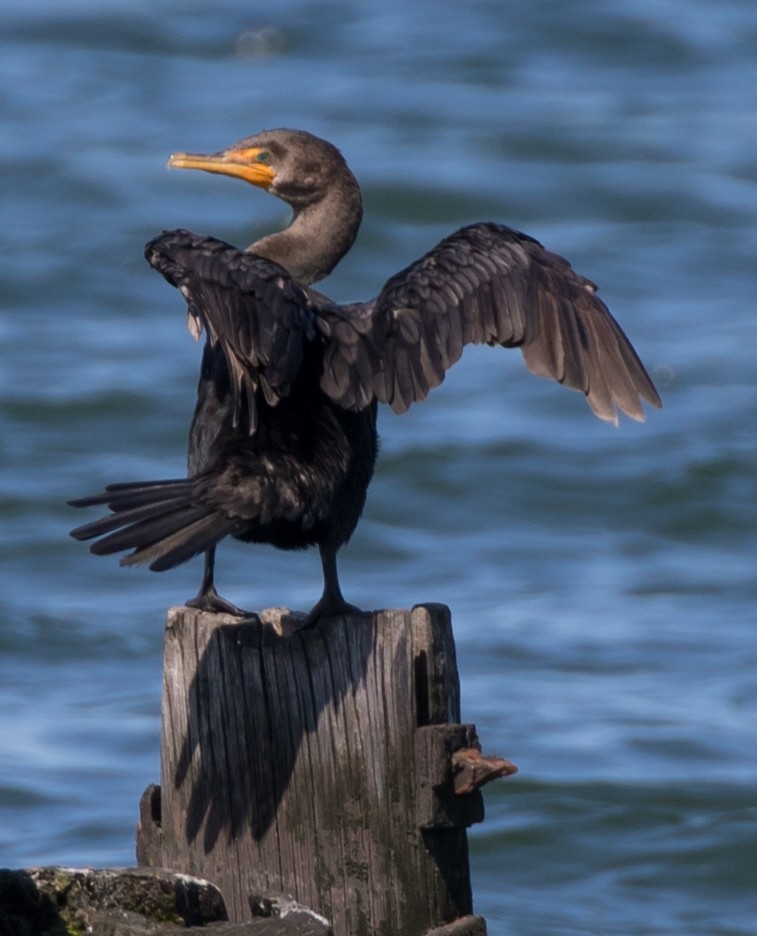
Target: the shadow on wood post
(320, 765)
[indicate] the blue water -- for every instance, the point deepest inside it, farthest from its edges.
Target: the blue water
(602, 581)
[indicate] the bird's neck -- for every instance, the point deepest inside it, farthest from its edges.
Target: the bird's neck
(320, 234)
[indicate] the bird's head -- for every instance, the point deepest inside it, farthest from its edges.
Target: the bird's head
(311, 176)
(292, 164)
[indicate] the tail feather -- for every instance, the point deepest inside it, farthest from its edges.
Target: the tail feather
(163, 522)
(123, 516)
(150, 530)
(135, 494)
(190, 541)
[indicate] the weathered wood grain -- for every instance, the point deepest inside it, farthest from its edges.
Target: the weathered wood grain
(290, 765)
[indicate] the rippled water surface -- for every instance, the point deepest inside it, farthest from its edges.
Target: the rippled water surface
(602, 581)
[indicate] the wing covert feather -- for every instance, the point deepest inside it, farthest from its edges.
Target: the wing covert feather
(484, 284)
(248, 305)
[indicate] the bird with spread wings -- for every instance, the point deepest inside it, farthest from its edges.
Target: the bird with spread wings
(283, 440)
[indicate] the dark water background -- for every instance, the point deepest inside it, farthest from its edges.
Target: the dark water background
(602, 581)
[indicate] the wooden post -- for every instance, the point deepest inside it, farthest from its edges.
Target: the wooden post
(319, 765)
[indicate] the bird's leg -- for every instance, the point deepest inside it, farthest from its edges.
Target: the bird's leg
(208, 599)
(331, 601)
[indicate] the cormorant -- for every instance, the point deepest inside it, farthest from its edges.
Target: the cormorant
(283, 439)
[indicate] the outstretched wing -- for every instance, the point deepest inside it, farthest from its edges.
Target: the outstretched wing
(484, 284)
(249, 306)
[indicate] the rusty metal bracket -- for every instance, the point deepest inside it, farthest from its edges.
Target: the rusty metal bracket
(471, 769)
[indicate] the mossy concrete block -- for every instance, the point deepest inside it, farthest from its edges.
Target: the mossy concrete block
(57, 901)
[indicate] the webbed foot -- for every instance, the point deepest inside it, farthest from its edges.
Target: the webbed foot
(327, 608)
(209, 600)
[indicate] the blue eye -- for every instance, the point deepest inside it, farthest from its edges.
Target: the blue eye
(263, 157)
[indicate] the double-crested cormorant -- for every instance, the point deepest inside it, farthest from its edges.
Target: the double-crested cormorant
(283, 440)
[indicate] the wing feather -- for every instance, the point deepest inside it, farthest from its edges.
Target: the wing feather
(485, 283)
(249, 306)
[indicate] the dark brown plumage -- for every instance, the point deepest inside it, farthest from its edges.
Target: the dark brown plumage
(283, 439)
